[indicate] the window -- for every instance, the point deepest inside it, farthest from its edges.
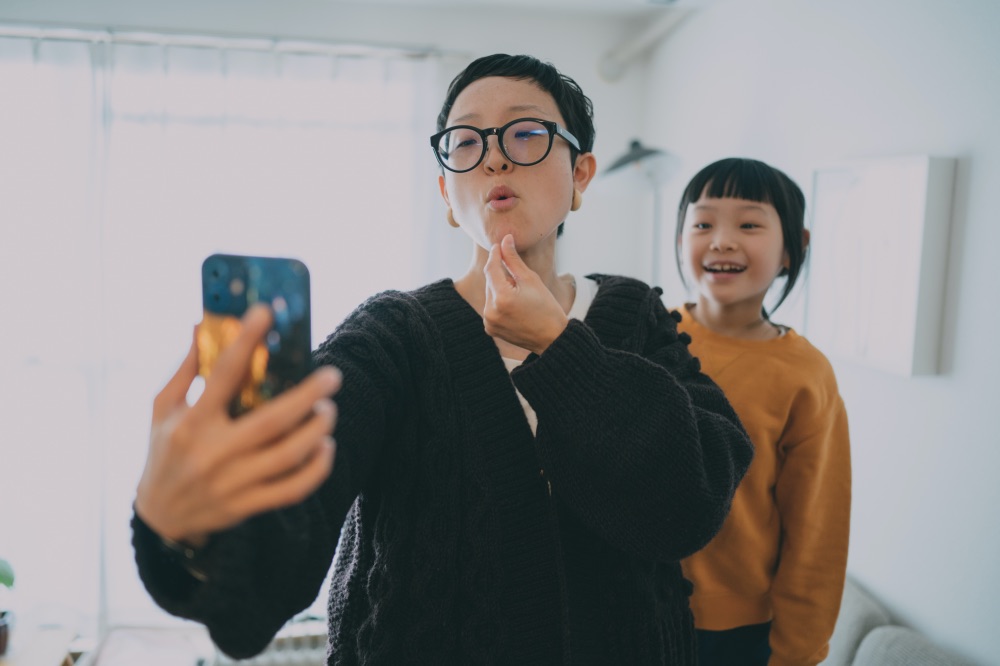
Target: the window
(124, 161)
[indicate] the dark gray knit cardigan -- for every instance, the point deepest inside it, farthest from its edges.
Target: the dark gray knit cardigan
(462, 538)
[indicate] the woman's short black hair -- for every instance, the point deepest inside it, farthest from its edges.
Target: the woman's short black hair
(744, 178)
(576, 108)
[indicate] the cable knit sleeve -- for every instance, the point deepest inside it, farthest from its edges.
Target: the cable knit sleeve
(270, 567)
(640, 445)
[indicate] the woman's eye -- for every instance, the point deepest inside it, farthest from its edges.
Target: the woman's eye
(702, 225)
(466, 143)
(524, 135)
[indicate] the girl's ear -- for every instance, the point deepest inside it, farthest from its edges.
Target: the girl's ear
(786, 261)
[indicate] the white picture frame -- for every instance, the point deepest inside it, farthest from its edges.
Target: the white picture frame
(878, 264)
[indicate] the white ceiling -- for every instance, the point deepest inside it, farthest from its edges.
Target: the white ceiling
(415, 23)
(617, 7)
(540, 4)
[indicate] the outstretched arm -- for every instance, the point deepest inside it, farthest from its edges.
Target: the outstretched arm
(207, 472)
(217, 486)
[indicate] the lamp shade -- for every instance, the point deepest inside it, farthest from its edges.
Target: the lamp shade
(655, 164)
(636, 153)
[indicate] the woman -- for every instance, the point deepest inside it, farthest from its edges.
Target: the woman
(523, 458)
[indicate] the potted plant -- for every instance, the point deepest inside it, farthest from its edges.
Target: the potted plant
(6, 583)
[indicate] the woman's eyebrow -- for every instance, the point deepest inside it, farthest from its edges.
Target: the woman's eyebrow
(518, 108)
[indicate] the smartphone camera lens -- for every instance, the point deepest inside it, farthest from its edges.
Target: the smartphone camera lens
(224, 285)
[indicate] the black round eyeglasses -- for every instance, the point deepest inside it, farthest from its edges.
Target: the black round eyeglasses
(524, 142)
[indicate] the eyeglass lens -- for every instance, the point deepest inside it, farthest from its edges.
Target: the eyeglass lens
(525, 142)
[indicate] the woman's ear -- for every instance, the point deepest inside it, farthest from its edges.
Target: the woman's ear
(805, 240)
(444, 190)
(584, 171)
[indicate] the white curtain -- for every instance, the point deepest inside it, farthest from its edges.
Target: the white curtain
(123, 163)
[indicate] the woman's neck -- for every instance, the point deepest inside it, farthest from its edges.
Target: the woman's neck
(744, 320)
(472, 285)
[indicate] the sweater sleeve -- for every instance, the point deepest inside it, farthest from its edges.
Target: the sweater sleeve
(813, 494)
(260, 574)
(271, 566)
(642, 447)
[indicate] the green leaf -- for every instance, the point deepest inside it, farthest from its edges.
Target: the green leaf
(6, 573)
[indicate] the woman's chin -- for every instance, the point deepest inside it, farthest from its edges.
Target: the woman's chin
(493, 237)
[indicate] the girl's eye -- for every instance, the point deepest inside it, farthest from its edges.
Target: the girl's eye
(701, 225)
(749, 225)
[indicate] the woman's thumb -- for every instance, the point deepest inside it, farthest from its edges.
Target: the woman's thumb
(510, 256)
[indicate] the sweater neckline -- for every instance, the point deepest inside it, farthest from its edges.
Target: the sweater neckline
(700, 332)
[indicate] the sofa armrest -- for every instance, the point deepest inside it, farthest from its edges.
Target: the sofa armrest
(902, 646)
(860, 613)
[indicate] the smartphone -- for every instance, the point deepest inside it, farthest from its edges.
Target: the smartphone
(232, 283)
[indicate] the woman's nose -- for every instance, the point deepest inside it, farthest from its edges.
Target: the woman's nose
(495, 160)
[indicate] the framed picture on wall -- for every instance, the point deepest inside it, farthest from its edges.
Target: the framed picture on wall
(878, 261)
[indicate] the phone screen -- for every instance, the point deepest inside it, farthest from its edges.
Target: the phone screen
(230, 285)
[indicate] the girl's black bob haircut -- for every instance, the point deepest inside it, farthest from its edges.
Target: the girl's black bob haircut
(753, 180)
(576, 108)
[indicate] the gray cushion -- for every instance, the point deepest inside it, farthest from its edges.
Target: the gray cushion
(902, 646)
(859, 614)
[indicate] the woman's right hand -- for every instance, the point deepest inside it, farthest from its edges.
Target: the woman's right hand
(519, 307)
(207, 471)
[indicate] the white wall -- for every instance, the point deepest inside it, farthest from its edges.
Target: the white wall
(601, 237)
(801, 84)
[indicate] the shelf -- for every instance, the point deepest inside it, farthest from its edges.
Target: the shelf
(39, 646)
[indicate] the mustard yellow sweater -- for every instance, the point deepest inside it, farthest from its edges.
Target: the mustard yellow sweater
(782, 553)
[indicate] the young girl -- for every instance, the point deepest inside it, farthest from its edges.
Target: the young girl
(767, 589)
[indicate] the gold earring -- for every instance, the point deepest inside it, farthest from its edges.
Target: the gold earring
(577, 200)
(451, 219)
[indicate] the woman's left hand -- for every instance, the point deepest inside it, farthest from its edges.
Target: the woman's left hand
(519, 307)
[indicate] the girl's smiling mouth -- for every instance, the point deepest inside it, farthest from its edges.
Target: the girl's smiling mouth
(724, 267)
